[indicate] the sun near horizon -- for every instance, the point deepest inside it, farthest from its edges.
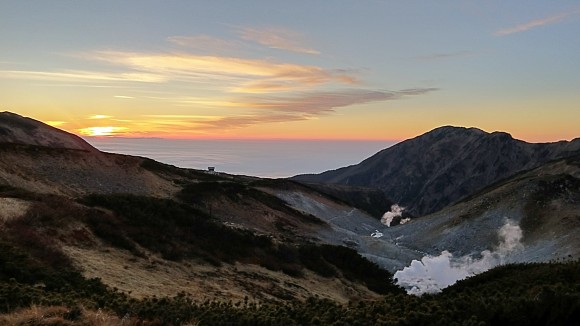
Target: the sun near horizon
(394, 135)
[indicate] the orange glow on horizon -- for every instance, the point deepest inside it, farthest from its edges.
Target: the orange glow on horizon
(101, 131)
(56, 124)
(192, 127)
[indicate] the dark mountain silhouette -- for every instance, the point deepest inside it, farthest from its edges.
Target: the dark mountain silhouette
(433, 170)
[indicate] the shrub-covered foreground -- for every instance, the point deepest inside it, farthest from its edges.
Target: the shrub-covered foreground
(37, 277)
(532, 294)
(178, 231)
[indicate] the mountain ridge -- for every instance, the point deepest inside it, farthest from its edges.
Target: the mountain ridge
(152, 240)
(435, 169)
(91, 210)
(17, 129)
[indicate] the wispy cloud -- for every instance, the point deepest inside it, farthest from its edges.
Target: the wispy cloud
(537, 23)
(267, 109)
(252, 110)
(244, 75)
(181, 116)
(262, 109)
(222, 73)
(86, 76)
(55, 123)
(99, 117)
(314, 103)
(240, 121)
(197, 101)
(276, 38)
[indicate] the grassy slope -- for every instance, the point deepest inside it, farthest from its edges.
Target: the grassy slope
(35, 270)
(535, 294)
(32, 273)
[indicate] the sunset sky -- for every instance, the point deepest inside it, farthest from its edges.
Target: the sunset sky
(361, 70)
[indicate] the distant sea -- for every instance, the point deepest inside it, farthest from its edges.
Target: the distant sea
(262, 158)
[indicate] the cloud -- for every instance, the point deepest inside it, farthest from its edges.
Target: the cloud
(248, 75)
(84, 76)
(233, 74)
(268, 109)
(240, 121)
(537, 23)
(297, 79)
(99, 117)
(261, 109)
(55, 123)
(198, 102)
(221, 73)
(181, 116)
(324, 102)
(253, 110)
(276, 38)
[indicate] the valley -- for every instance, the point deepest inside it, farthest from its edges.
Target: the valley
(126, 233)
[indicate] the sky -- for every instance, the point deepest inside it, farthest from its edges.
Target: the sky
(345, 70)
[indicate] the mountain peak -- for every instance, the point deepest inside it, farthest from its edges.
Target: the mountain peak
(450, 132)
(433, 170)
(449, 128)
(17, 129)
(501, 134)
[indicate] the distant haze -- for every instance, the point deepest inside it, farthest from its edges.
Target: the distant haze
(263, 158)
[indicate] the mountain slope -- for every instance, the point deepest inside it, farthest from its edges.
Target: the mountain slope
(544, 202)
(16, 129)
(433, 170)
(39, 158)
(154, 242)
(148, 228)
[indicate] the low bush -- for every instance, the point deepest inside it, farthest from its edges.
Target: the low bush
(531, 294)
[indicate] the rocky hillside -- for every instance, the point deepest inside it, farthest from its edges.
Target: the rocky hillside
(149, 241)
(148, 228)
(39, 158)
(16, 129)
(544, 202)
(433, 170)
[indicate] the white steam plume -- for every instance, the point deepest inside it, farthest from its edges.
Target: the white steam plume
(432, 274)
(396, 211)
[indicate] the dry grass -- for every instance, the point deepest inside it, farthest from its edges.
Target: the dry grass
(156, 277)
(61, 316)
(73, 173)
(12, 208)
